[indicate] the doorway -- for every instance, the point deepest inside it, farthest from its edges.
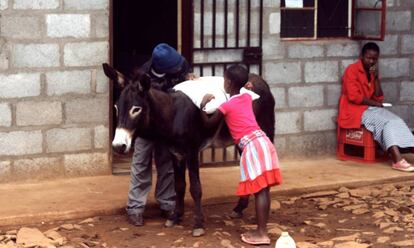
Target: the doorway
(137, 27)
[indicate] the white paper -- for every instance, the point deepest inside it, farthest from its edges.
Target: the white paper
(294, 3)
(385, 104)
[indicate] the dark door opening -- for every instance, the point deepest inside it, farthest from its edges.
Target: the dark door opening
(137, 27)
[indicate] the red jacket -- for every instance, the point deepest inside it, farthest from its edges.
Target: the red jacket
(355, 87)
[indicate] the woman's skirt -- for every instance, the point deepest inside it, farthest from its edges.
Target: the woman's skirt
(259, 164)
(387, 128)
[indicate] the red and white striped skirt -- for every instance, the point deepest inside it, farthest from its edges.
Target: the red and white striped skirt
(259, 164)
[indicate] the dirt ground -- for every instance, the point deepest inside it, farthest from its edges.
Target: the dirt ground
(377, 216)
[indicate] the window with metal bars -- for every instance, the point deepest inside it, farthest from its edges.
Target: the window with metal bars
(318, 19)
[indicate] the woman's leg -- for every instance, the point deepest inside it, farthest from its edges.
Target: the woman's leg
(395, 154)
(259, 236)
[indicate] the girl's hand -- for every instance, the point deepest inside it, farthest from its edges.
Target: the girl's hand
(207, 98)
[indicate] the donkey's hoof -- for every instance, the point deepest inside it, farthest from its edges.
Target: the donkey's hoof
(169, 223)
(197, 232)
(236, 215)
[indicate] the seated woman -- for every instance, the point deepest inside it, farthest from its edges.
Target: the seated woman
(361, 104)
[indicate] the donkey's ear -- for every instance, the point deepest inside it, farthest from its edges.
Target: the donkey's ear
(145, 82)
(115, 75)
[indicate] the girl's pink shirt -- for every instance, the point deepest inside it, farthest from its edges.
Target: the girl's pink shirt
(239, 116)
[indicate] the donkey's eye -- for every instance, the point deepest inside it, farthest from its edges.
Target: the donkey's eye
(116, 110)
(135, 111)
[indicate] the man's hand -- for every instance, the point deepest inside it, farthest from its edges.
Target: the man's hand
(207, 98)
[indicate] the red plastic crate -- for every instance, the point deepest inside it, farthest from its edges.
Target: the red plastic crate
(358, 138)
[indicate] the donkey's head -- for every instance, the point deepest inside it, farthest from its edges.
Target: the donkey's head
(132, 110)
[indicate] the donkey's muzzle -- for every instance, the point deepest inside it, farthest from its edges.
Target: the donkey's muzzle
(120, 148)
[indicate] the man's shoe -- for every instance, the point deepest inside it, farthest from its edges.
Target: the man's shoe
(136, 219)
(403, 165)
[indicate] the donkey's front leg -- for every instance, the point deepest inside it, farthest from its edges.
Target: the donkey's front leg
(196, 193)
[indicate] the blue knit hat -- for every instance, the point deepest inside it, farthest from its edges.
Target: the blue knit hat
(166, 59)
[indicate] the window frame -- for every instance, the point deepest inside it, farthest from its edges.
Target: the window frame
(352, 10)
(382, 11)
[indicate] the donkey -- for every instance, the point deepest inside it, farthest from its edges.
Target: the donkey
(172, 118)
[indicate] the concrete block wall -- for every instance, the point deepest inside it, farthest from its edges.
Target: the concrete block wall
(54, 99)
(305, 76)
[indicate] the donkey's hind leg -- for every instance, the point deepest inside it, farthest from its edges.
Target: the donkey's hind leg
(196, 193)
(241, 205)
(180, 185)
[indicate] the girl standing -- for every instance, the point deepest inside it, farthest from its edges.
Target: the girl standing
(259, 164)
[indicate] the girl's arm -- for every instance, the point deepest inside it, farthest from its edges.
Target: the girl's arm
(213, 119)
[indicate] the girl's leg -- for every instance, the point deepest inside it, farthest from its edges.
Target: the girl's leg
(259, 236)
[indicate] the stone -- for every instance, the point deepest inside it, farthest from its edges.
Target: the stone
(407, 91)
(6, 115)
(398, 20)
(404, 243)
(393, 230)
(288, 122)
(378, 215)
(86, 5)
(360, 211)
(97, 110)
(321, 71)
(352, 237)
(280, 96)
(351, 244)
(19, 85)
(383, 239)
(35, 55)
(275, 231)
(307, 96)
(274, 23)
(394, 67)
(68, 227)
(228, 223)
(326, 244)
(36, 4)
(274, 205)
(30, 113)
(226, 243)
(21, 27)
(56, 237)
(391, 212)
(86, 53)
(30, 237)
(306, 245)
(68, 25)
(21, 143)
(344, 195)
(288, 72)
(360, 192)
(305, 51)
(65, 82)
(353, 207)
(87, 221)
(68, 139)
(319, 194)
(320, 120)
(343, 50)
(86, 164)
(343, 189)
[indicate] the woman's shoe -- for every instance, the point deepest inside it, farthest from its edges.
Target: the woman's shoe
(403, 165)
